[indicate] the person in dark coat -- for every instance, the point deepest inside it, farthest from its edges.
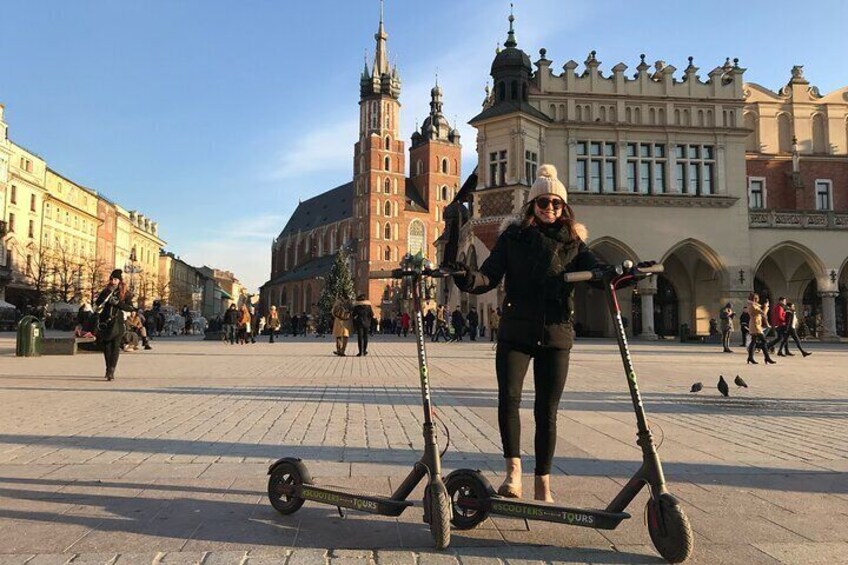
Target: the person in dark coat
(744, 325)
(363, 317)
(473, 323)
(458, 323)
(532, 254)
(231, 322)
(791, 319)
(111, 303)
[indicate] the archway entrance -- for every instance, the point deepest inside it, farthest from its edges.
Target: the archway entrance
(790, 270)
(693, 279)
(591, 314)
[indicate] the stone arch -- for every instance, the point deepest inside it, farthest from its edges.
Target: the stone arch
(793, 270)
(591, 316)
(819, 134)
(784, 133)
(751, 121)
(698, 277)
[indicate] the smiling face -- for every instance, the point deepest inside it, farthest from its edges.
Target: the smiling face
(114, 281)
(548, 208)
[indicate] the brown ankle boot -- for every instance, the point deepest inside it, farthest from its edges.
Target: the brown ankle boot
(543, 488)
(511, 487)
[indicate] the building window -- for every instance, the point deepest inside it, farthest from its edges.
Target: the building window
(387, 186)
(646, 165)
(31, 230)
(695, 169)
(387, 164)
(756, 193)
(387, 254)
(11, 222)
(444, 166)
(13, 195)
(497, 168)
(444, 192)
(387, 231)
(32, 202)
(596, 166)
(388, 144)
(531, 166)
(388, 209)
(824, 200)
(419, 167)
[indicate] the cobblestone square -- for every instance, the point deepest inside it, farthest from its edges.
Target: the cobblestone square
(168, 463)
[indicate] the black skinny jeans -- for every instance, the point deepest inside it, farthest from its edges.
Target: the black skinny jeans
(362, 340)
(111, 351)
(550, 369)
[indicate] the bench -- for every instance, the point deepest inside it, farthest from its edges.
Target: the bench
(65, 345)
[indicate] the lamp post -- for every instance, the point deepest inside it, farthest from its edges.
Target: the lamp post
(132, 268)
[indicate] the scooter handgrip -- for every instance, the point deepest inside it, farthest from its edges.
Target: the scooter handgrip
(653, 269)
(579, 276)
(390, 274)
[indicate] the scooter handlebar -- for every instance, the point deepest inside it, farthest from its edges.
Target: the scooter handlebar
(627, 267)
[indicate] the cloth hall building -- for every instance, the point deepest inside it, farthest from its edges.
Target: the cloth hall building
(732, 186)
(381, 214)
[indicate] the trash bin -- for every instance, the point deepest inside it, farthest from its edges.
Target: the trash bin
(29, 337)
(684, 332)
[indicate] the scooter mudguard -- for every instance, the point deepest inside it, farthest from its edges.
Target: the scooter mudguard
(306, 478)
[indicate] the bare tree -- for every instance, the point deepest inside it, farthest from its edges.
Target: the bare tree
(40, 269)
(67, 276)
(94, 269)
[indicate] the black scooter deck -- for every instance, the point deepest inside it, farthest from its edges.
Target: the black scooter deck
(546, 511)
(344, 498)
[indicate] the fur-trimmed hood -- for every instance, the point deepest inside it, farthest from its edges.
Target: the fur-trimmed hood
(516, 220)
(362, 303)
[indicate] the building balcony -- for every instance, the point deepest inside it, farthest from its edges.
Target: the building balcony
(798, 219)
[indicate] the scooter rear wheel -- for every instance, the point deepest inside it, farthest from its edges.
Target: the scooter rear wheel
(669, 529)
(286, 473)
(440, 514)
(468, 487)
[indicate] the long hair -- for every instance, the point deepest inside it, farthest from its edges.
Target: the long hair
(121, 290)
(567, 219)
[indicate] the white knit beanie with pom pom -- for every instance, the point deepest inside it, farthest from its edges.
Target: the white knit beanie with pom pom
(547, 183)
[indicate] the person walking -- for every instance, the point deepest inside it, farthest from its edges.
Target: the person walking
(244, 324)
(726, 318)
(429, 320)
(458, 323)
(187, 321)
(532, 253)
(231, 322)
(791, 331)
(273, 323)
(777, 316)
(255, 328)
(441, 325)
(341, 326)
(758, 340)
(363, 316)
(494, 323)
(744, 325)
(473, 321)
(111, 304)
(405, 319)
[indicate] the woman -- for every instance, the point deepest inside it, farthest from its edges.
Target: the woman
(273, 323)
(111, 303)
(244, 324)
(533, 252)
(758, 339)
(341, 326)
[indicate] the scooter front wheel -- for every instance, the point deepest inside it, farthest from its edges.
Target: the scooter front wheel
(439, 505)
(286, 474)
(669, 529)
(467, 494)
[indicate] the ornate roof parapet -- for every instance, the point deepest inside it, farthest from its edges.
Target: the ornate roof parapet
(724, 82)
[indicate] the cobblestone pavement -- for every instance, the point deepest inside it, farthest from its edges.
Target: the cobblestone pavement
(168, 463)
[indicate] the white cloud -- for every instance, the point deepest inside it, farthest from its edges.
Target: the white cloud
(326, 148)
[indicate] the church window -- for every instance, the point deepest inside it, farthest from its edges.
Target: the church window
(387, 254)
(387, 231)
(388, 144)
(387, 186)
(497, 168)
(444, 166)
(444, 192)
(388, 164)
(416, 237)
(388, 209)
(419, 167)
(374, 114)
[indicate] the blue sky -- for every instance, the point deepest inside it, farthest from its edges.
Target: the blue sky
(214, 117)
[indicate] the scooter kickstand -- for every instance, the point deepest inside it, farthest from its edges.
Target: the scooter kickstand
(341, 512)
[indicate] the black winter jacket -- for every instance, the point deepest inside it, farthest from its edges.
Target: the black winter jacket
(110, 324)
(538, 309)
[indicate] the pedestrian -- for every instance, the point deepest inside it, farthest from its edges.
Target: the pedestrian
(441, 324)
(458, 323)
(231, 323)
(494, 323)
(405, 320)
(473, 323)
(111, 304)
(341, 326)
(244, 324)
(758, 340)
(186, 314)
(273, 323)
(791, 320)
(429, 321)
(363, 318)
(726, 317)
(777, 317)
(255, 327)
(744, 325)
(532, 253)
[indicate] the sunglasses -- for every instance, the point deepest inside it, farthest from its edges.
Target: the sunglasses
(543, 203)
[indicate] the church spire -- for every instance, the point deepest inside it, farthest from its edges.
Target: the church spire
(381, 57)
(510, 39)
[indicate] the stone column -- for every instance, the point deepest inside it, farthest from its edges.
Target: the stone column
(828, 330)
(647, 290)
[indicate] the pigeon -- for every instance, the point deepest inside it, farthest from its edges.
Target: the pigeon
(740, 382)
(697, 387)
(722, 386)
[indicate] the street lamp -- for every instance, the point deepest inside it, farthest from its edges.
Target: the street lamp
(132, 267)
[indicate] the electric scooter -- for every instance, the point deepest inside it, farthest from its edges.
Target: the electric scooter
(290, 483)
(474, 498)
